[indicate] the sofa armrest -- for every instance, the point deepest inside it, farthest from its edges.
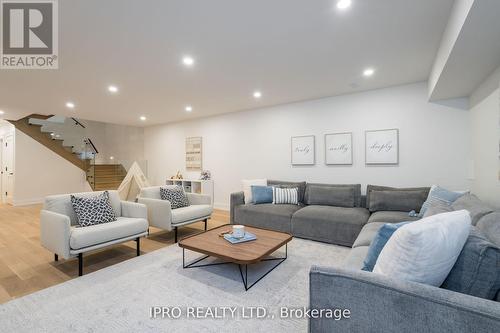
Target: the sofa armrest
(133, 209)
(159, 212)
(199, 199)
(381, 304)
(237, 198)
(55, 231)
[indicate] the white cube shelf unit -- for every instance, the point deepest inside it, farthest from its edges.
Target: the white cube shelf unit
(194, 186)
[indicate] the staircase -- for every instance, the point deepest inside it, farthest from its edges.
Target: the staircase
(108, 176)
(67, 138)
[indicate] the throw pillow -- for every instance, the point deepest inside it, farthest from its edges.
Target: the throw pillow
(476, 271)
(426, 250)
(285, 184)
(285, 196)
(439, 194)
(476, 207)
(437, 207)
(381, 237)
(176, 195)
(247, 188)
(370, 188)
(262, 194)
(93, 210)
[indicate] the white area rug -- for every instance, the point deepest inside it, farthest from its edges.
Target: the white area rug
(119, 298)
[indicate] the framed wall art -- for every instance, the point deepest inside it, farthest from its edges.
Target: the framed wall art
(338, 149)
(193, 154)
(382, 147)
(303, 150)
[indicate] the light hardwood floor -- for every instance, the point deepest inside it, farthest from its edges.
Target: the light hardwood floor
(26, 267)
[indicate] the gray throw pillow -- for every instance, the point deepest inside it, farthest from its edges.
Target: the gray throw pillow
(437, 207)
(93, 210)
(284, 184)
(176, 196)
(396, 200)
(476, 207)
(330, 196)
(371, 188)
(355, 187)
(476, 270)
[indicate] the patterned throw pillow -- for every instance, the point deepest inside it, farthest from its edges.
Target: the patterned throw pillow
(285, 196)
(176, 196)
(93, 210)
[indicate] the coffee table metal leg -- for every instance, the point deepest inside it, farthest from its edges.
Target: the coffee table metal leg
(245, 279)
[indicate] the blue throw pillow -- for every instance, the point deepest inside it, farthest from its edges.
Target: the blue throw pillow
(439, 195)
(262, 194)
(378, 243)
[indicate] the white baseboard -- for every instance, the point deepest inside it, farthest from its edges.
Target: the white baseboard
(221, 206)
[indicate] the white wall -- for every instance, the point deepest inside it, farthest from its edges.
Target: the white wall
(40, 172)
(485, 117)
(434, 142)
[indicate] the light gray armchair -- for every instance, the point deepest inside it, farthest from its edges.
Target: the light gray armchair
(60, 233)
(162, 216)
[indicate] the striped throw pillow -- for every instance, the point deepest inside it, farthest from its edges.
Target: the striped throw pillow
(285, 196)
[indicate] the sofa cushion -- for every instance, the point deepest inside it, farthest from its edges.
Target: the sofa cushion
(390, 217)
(367, 234)
(477, 270)
(337, 225)
(190, 213)
(437, 207)
(284, 184)
(354, 259)
(381, 238)
(152, 192)
(476, 207)
(267, 216)
(312, 186)
(330, 196)
(490, 227)
(396, 200)
(61, 204)
(371, 188)
(82, 237)
(425, 251)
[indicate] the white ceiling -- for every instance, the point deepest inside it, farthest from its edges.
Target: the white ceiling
(291, 50)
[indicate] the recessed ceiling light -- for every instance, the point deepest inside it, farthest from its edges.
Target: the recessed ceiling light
(113, 89)
(70, 105)
(257, 94)
(188, 61)
(143, 118)
(188, 108)
(2, 112)
(111, 158)
(368, 72)
(344, 4)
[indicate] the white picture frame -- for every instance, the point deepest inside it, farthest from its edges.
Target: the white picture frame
(338, 148)
(303, 150)
(382, 147)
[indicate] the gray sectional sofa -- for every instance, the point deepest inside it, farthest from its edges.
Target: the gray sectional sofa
(330, 213)
(388, 304)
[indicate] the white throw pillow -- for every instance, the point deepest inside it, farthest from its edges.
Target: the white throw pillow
(247, 187)
(426, 250)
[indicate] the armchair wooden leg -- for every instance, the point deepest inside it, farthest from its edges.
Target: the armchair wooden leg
(175, 234)
(80, 264)
(138, 240)
(56, 257)
(206, 221)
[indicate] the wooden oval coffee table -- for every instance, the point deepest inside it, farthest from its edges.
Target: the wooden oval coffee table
(212, 244)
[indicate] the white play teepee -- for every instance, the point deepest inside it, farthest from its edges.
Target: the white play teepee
(132, 184)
